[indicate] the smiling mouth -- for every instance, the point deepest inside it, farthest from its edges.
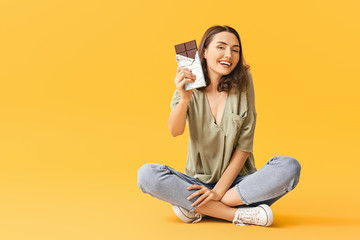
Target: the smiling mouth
(225, 64)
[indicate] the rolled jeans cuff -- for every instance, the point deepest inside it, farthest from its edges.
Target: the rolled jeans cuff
(237, 187)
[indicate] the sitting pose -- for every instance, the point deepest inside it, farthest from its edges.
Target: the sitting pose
(220, 178)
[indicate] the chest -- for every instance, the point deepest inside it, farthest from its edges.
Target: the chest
(217, 105)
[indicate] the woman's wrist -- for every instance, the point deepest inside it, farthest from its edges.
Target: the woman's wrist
(218, 192)
(183, 101)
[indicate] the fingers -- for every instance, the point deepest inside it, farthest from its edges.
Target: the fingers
(182, 69)
(202, 190)
(183, 82)
(195, 194)
(178, 70)
(210, 197)
(200, 199)
(184, 74)
(195, 187)
(206, 196)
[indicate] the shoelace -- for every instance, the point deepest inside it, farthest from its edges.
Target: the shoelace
(198, 216)
(243, 216)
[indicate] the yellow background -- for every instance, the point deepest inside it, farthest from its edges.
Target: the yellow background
(85, 90)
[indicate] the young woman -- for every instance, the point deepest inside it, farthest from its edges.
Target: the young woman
(220, 177)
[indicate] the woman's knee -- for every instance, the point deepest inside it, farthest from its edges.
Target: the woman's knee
(292, 170)
(231, 198)
(293, 166)
(147, 176)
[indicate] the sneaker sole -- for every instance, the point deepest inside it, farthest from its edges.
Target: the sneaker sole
(180, 214)
(269, 214)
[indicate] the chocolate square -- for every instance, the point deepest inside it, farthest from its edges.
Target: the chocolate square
(187, 49)
(190, 45)
(191, 53)
(180, 48)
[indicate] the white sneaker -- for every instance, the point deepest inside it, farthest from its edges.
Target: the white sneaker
(260, 215)
(187, 216)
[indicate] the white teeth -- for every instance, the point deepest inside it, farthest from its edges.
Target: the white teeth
(225, 63)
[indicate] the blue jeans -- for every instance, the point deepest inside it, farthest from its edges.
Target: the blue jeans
(265, 186)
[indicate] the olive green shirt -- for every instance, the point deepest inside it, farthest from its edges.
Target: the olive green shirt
(210, 145)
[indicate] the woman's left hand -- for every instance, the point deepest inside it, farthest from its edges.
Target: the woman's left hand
(206, 196)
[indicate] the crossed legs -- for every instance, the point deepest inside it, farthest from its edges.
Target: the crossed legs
(277, 177)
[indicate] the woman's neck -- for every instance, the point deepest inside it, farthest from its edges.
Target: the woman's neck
(212, 88)
(214, 82)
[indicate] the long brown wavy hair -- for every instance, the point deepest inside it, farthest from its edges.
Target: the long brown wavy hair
(238, 78)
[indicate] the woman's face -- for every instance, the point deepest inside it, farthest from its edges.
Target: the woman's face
(222, 54)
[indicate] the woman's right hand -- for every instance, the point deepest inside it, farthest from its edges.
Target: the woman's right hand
(184, 75)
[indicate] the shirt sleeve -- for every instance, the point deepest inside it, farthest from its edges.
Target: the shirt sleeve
(175, 100)
(246, 139)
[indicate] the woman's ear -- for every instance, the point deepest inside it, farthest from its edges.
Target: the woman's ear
(205, 53)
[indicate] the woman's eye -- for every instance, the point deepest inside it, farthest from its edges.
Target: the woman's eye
(220, 47)
(236, 51)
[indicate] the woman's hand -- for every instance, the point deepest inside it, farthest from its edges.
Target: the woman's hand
(184, 75)
(206, 196)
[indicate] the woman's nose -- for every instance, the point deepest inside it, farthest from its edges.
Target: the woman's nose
(228, 53)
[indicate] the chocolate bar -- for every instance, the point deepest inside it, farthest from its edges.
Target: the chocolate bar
(187, 49)
(187, 56)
